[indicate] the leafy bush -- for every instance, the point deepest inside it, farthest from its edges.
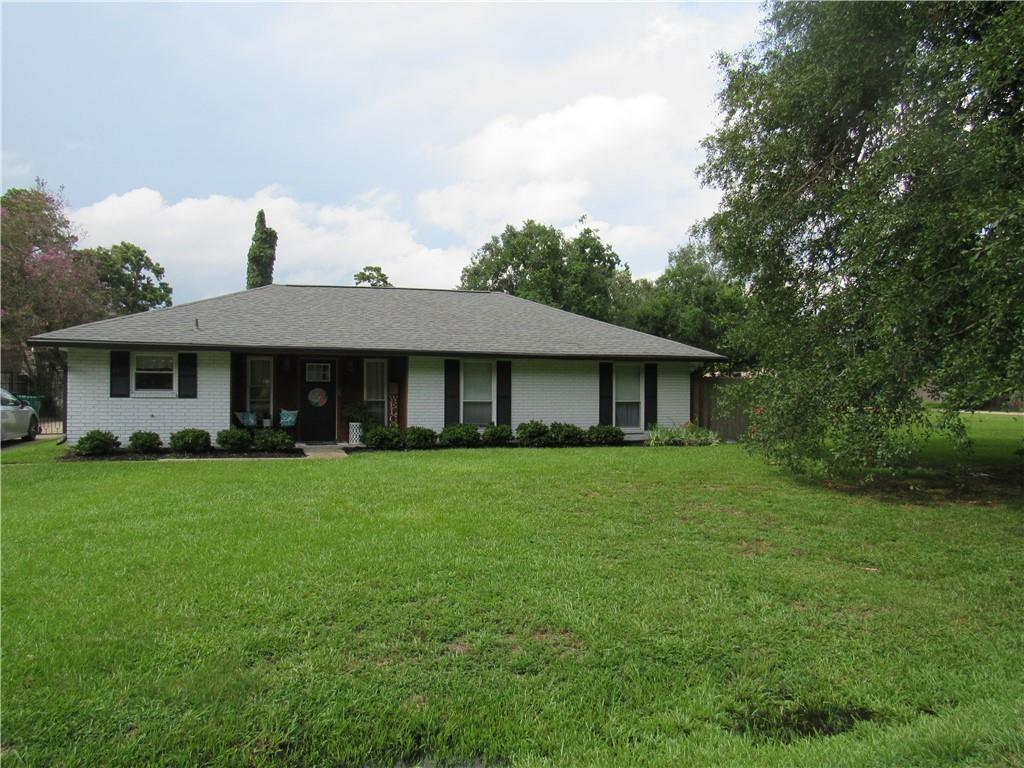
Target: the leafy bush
(687, 434)
(605, 434)
(272, 440)
(383, 439)
(190, 441)
(566, 434)
(459, 436)
(144, 442)
(497, 435)
(533, 434)
(234, 439)
(420, 438)
(96, 442)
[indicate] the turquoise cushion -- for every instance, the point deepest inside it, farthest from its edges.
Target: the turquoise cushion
(288, 418)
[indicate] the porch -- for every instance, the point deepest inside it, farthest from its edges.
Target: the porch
(327, 391)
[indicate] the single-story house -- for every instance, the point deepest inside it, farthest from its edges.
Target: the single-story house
(406, 356)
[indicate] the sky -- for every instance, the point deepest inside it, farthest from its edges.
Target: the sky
(398, 135)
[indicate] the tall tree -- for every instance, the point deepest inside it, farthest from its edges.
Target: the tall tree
(870, 159)
(538, 262)
(46, 284)
(694, 301)
(373, 277)
(262, 253)
(131, 280)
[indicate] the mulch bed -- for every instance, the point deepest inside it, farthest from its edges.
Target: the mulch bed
(214, 453)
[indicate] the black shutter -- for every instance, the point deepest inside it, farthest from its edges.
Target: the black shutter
(451, 392)
(605, 405)
(120, 373)
(188, 383)
(504, 388)
(650, 395)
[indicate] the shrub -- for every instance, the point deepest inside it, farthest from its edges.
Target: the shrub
(383, 438)
(687, 434)
(566, 434)
(144, 442)
(272, 440)
(234, 439)
(497, 435)
(420, 438)
(96, 442)
(533, 434)
(605, 434)
(190, 441)
(459, 436)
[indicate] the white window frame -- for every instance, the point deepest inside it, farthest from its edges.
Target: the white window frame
(462, 389)
(248, 381)
(382, 360)
(615, 395)
(305, 373)
(172, 392)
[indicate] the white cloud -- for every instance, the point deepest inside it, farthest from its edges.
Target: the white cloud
(16, 169)
(202, 242)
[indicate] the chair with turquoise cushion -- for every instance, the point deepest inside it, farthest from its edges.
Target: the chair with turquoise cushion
(288, 420)
(246, 418)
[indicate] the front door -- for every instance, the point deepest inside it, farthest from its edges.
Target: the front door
(316, 412)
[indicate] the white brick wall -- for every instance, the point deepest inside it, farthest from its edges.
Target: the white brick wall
(426, 392)
(90, 405)
(674, 393)
(555, 390)
(547, 390)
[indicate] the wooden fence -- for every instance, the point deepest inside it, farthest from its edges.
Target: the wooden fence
(706, 409)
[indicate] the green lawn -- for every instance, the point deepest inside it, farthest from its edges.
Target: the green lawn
(634, 606)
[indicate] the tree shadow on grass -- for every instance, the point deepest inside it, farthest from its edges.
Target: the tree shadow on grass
(966, 483)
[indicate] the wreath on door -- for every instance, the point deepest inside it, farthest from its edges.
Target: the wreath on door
(317, 397)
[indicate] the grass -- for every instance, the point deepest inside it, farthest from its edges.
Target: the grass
(641, 606)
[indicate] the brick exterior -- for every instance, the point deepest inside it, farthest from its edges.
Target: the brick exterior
(90, 405)
(548, 390)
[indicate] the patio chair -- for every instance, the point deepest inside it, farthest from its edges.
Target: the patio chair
(288, 421)
(246, 419)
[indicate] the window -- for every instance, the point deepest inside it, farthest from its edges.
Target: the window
(629, 387)
(319, 372)
(375, 389)
(477, 393)
(261, 387)
(154, 372)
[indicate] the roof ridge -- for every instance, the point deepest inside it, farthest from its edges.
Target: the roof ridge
(386, 287)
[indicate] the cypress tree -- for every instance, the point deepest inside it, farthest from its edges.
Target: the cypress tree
(262, 252)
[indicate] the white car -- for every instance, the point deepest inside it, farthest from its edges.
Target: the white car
(19, 419)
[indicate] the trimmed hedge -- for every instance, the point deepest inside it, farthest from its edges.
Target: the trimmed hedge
(190, 441)
(272, 440)
(533, 434)
(459, 436)
(144, 442)
(496, 435)
(566, 434)
(383, 439)
(235, 439)
(605, 434)
(420, 438)
(97, 442)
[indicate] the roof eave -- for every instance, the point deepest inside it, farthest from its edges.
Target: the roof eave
(37, 341)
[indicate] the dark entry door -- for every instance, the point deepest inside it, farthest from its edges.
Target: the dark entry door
(316, 412)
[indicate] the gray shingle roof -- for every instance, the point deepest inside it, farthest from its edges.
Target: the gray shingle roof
(382, 320)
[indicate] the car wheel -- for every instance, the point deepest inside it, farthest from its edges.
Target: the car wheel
(33, 429)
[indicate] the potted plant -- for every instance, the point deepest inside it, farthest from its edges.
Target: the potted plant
(360, 418)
